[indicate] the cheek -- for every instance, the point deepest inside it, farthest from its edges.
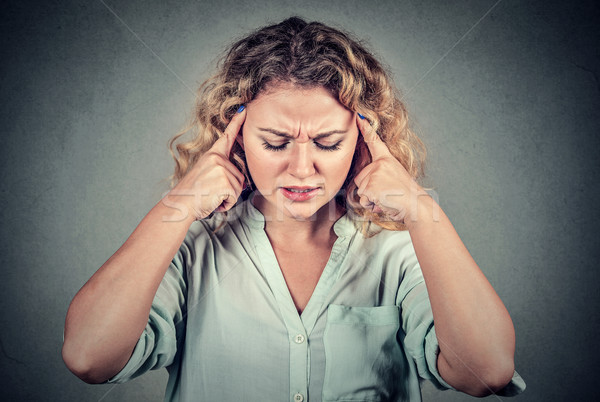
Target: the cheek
(336, 168)
(262, 165)
(345, 159)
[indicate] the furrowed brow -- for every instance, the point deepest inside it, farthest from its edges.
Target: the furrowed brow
(288, 136)
(277, 133)
(328, 133)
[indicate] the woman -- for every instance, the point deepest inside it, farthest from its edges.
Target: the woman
(323, 280)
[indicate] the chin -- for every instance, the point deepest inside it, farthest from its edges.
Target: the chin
(300, 214)
(318, 208)
(277, 207)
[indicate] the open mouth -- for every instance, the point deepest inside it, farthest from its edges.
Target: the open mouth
(297, 190)
(295, 193)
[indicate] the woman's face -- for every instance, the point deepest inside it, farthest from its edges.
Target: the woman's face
(299, 145)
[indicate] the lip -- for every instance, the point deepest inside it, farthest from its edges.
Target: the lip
(299, 193)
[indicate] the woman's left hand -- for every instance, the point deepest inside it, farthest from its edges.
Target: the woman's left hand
(384, 185)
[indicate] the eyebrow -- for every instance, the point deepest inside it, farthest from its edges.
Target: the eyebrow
(291, 137)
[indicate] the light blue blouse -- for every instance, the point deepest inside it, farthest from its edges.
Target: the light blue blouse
(224, 325)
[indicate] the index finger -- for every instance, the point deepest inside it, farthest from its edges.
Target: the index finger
(376, 146)
(224, 144)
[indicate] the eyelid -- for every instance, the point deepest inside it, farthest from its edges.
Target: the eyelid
(280, 147)
(327, 140)
(274, 140)
(272, 147)
(333, 147)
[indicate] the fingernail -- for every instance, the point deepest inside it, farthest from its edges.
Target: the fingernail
(241, 109)
(361, 116)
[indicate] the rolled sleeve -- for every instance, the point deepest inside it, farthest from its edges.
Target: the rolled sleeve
(420, 340)
(514, 387)
(432, 350)
(159, 342)
(422, 345)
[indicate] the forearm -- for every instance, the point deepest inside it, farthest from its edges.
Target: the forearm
(109, 313)
(474, 329)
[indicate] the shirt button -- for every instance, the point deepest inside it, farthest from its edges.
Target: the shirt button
(298, 397)
(299, 339)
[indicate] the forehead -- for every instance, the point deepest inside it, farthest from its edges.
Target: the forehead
(293, 109)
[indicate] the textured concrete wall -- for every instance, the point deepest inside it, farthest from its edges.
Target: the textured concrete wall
(506, 95)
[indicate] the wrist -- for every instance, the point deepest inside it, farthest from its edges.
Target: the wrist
(177, 208)
(424, 211)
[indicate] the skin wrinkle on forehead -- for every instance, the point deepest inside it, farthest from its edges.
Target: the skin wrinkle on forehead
(286, 123)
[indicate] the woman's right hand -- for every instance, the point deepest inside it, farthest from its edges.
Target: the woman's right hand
(213, 183)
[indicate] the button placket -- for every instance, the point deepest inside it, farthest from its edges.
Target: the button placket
(299, 365)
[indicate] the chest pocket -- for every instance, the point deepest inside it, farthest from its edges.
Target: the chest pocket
(363, 357)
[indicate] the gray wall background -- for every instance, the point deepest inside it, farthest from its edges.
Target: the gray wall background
(505, 93)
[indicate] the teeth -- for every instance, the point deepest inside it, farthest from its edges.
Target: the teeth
(294, 190)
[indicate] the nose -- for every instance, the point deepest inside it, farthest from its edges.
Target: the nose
(301, 164)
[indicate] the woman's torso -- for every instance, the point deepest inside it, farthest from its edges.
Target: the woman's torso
(245, 339)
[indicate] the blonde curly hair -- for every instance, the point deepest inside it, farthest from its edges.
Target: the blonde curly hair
(306, 55)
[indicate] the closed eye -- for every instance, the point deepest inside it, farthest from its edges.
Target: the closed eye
(333, 147)
(271, 147)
